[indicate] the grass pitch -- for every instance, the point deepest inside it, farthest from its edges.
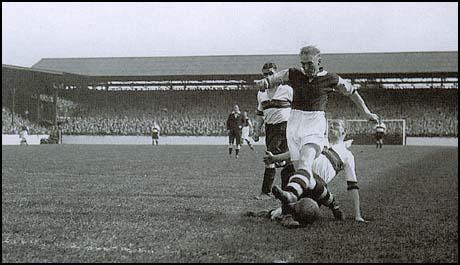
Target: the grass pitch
(93, 203)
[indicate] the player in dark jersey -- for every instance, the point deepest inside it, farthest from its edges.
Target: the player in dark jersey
(234, 127)
(307, 125)
(155, 133)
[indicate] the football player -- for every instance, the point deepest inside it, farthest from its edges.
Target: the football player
(307, 125)
(247, 127)
(234, 126)
(273, 109)
(335, 160)
(155, 133)
(23, 134)
(380, 129)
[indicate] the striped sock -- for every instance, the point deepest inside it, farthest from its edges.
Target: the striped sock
(322, 195)
(300, 182)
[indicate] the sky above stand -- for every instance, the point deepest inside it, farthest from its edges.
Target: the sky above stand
(32, 31)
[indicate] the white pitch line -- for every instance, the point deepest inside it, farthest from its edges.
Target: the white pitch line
(36, 242)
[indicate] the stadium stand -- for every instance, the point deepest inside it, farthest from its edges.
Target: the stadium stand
(18, 121)
(111, 96)
(177, 112)
(427, 112)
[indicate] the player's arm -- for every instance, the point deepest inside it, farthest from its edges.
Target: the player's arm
(352, 187)
(358, 100)
(228, 122)
(251, 127)
(349, 90)
(241, 122)
(270, 158)
(259, 120)
(273, 80)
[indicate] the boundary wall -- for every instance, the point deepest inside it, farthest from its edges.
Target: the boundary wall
(13, 139)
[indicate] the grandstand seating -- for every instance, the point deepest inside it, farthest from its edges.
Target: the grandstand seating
(428, 112)
(18, 122)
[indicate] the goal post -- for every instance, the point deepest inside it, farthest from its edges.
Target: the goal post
(363, 132)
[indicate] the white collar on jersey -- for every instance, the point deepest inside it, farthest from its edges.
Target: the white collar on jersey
(348, 143)
(322, 73)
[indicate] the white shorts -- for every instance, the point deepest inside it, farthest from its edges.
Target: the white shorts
(306, 127)
(324, 169)
(245, 133)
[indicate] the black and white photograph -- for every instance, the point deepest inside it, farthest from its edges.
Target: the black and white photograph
(230, 132)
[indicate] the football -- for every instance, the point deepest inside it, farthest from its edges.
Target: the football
(306, 211)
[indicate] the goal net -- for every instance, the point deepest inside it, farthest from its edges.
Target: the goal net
(363, 131)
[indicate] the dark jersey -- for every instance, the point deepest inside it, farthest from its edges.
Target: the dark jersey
(155, 133)
(234, 122)
(311, 96)
(245, 122)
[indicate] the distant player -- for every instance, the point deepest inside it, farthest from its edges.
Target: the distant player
(23, 134)
(380, 130)
(273, 110)
(234, 127)
(155, 133)
(55, 135)
(335, 160)
(247, 128)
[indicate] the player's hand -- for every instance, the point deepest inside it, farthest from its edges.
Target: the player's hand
(261, 84)
(359, 219)
(269, 158)
(373, 117)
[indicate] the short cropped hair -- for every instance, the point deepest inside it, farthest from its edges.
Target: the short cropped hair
(340, 122)
(309, 50)
(268, 66)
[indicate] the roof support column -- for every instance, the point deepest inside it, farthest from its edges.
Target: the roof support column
(12, 108)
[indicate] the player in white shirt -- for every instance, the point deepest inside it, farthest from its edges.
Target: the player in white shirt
(273, 110)
(23, 134)
(335, 160)
(246, 130)
(380, 130)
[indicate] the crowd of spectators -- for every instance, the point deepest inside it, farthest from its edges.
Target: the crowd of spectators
(427, 112)
(177, 112)
(12, 124)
